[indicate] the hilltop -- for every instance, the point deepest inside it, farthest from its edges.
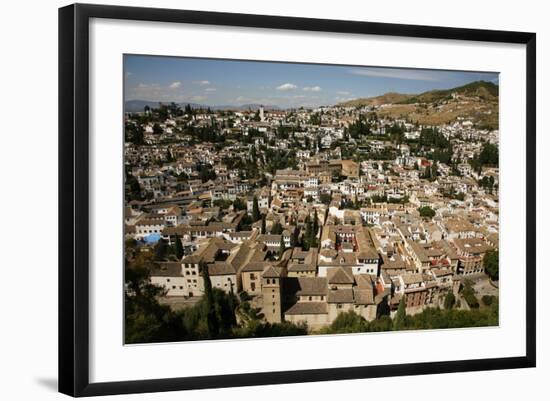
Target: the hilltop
(388, 98)
(476, 101)
(482, 89)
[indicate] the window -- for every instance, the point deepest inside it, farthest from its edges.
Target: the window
(310, 298)
(173, 287)
(167, 280)
(181, 287)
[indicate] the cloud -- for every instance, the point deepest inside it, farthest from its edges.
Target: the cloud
(198, 98)
(312, 89)
(202, 82)
(343, 93)
(210, 90)
(343, 99)
(141, 85)
(154, 92)
(414, 75)
(175, 85)
(286, 87)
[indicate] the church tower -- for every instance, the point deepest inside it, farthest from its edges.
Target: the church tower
(272, 293)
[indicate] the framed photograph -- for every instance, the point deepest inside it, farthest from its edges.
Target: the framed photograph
(251, 199)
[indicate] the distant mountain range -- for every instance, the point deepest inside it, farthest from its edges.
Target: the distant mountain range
(133, 106)
(485, 90)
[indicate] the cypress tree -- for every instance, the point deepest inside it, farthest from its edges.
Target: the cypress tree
(307, 234)
(399, 319)
(282, 247)
(161, 250)
(263, 225)
(315, 225)
(449, 300)
(255, 210)
(179, 247)
(211, 315)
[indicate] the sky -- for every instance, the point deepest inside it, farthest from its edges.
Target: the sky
(215, 82)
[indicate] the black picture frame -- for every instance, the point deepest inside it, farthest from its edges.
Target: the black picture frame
(74, 198)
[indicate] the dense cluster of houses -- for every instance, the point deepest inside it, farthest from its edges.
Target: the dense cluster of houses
(371, 246)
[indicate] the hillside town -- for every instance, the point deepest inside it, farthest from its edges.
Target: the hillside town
(307, 213)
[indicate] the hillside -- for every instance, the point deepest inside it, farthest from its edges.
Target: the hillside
(484, 90)
(390, 97)
(476, 101)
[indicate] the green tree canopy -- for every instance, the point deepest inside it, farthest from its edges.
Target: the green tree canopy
(400, 315)
(276, 228)
(449, 300)
(490, 261)
(282, 247)
(179, 247)
(255, 209)
(347, 322)
(426, 211)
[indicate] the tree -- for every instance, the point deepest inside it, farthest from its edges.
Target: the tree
(431, 172)
(315, 224)
(400, 315)
(282, 247)
(239, 204)
(469, 295)
(255, 209)
(487, 183)
(161, 250)
(133, 189)
(212, 320)
(488, 155)
(449, 300)
(179, 247)
(157, 129)
(206, 172)
(133, 133)
(277, 228)
(145, 320)
(426, 211)
(294, 238)
(488, 300)
(490, 261)
(347, 322)
(169, 158)
(263, 225)
(325, 198)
